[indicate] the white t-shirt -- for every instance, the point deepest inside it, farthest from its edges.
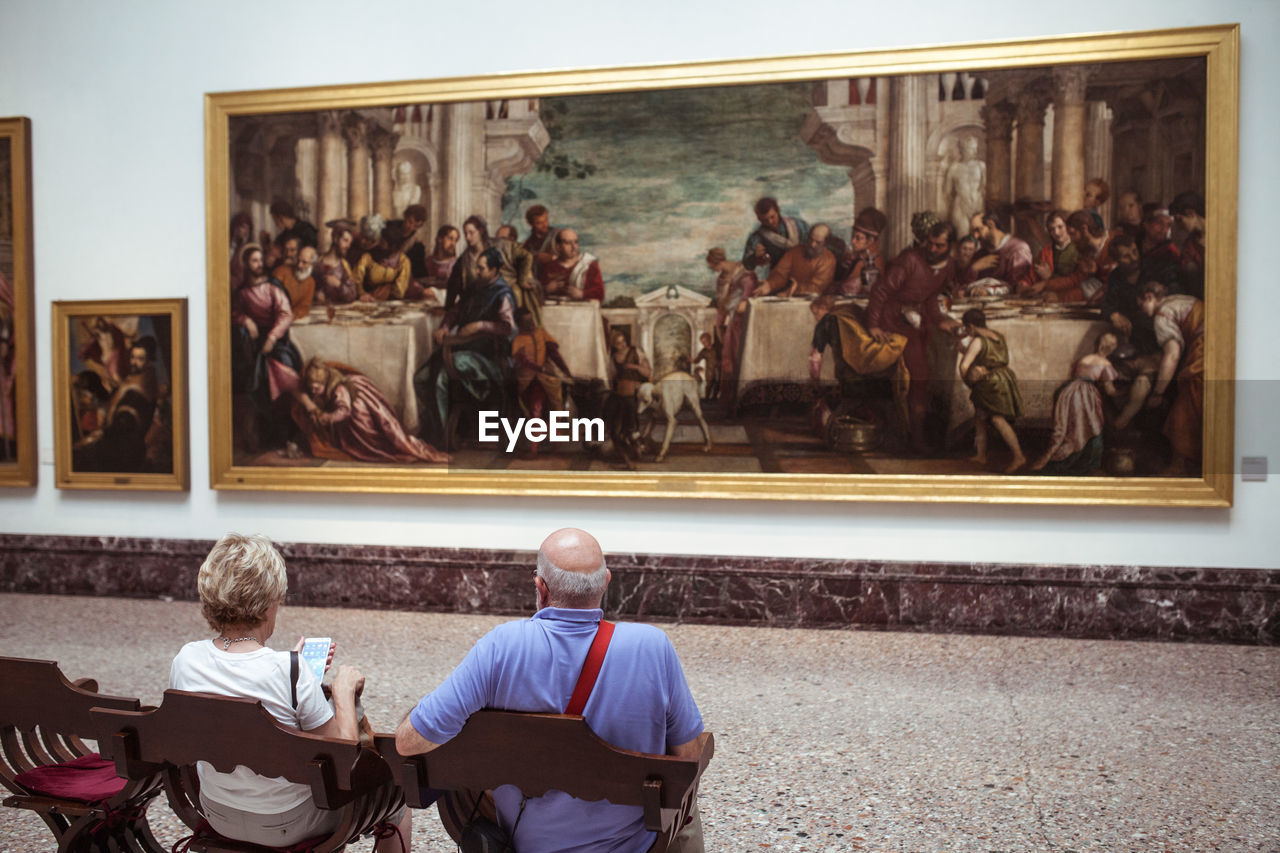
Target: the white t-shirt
(264, 675)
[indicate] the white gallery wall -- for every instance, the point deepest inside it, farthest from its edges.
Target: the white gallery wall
(114, 94)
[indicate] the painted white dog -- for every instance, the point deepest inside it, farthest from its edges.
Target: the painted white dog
(672, 393)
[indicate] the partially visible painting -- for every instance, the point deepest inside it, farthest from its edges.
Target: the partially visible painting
(17, 368)
(956, 273)
(120, 394)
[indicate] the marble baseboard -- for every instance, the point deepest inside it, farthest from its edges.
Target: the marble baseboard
(1116, 602)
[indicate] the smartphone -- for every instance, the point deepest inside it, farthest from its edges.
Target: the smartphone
(315, 653)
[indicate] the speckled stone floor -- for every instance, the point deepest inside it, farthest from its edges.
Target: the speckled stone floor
(831, 740)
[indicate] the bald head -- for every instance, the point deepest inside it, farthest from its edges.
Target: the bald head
(571, 568)
(567, 249)
(573, 550)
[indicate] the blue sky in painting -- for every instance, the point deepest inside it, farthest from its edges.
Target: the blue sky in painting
(677, 172)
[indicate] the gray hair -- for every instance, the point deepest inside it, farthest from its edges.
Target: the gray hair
(572, 589)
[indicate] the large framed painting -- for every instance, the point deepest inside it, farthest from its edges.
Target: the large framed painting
(120, 394)
(17, 367)
(964, 273)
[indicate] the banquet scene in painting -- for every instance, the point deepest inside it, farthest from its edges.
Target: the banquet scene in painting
(8, 379)
(956, 273)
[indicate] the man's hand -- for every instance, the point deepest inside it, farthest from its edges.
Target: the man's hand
(878, 335)
(985, 262)
(815, 364)
(250, 326)
(1121, 323)
(1043, 270)
(440, 334)
(347, 683)
(267, 346)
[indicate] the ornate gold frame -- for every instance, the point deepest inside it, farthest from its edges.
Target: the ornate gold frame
(1218, 44)
(22, 472)
(179, 480)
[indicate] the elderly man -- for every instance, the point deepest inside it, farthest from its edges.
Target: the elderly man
(807, 269)
(1008, 261)
(640, 700)
(776, 234)
(574, 274)
(298, 280)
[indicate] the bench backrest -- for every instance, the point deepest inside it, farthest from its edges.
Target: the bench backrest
(226, 733)
(37, 695)
(540, 752)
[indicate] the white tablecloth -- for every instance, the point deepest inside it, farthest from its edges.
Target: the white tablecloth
(385, 341)
(776, 344)
(579, 329)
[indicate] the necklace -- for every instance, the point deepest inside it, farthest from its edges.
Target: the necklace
(227, 641)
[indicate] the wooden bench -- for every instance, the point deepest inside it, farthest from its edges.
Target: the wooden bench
(51, 771)
(542, 752)
(226, 732)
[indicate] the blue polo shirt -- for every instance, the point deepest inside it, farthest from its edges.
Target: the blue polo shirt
(640, 702)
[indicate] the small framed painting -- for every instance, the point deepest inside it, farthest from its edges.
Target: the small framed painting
(120, 394)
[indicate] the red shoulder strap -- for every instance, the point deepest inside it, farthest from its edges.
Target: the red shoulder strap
(591, 668)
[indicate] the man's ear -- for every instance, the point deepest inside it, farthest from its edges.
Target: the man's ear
(544, 594)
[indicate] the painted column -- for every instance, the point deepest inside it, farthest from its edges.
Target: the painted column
(1030, 102)
(998, 121)
(462, 160)
(306, 172)
(1068, 136)
(332, 167)
(1097, 150)
(908, 187)
(384, 145)
(356, 130)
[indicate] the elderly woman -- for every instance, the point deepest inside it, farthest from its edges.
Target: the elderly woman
(242, 585)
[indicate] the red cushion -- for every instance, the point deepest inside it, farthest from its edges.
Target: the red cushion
(89, 779)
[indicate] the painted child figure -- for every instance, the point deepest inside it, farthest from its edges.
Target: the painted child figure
(707, 363)
(993, 387)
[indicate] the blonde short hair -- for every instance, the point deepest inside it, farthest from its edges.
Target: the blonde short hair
(240, 580)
